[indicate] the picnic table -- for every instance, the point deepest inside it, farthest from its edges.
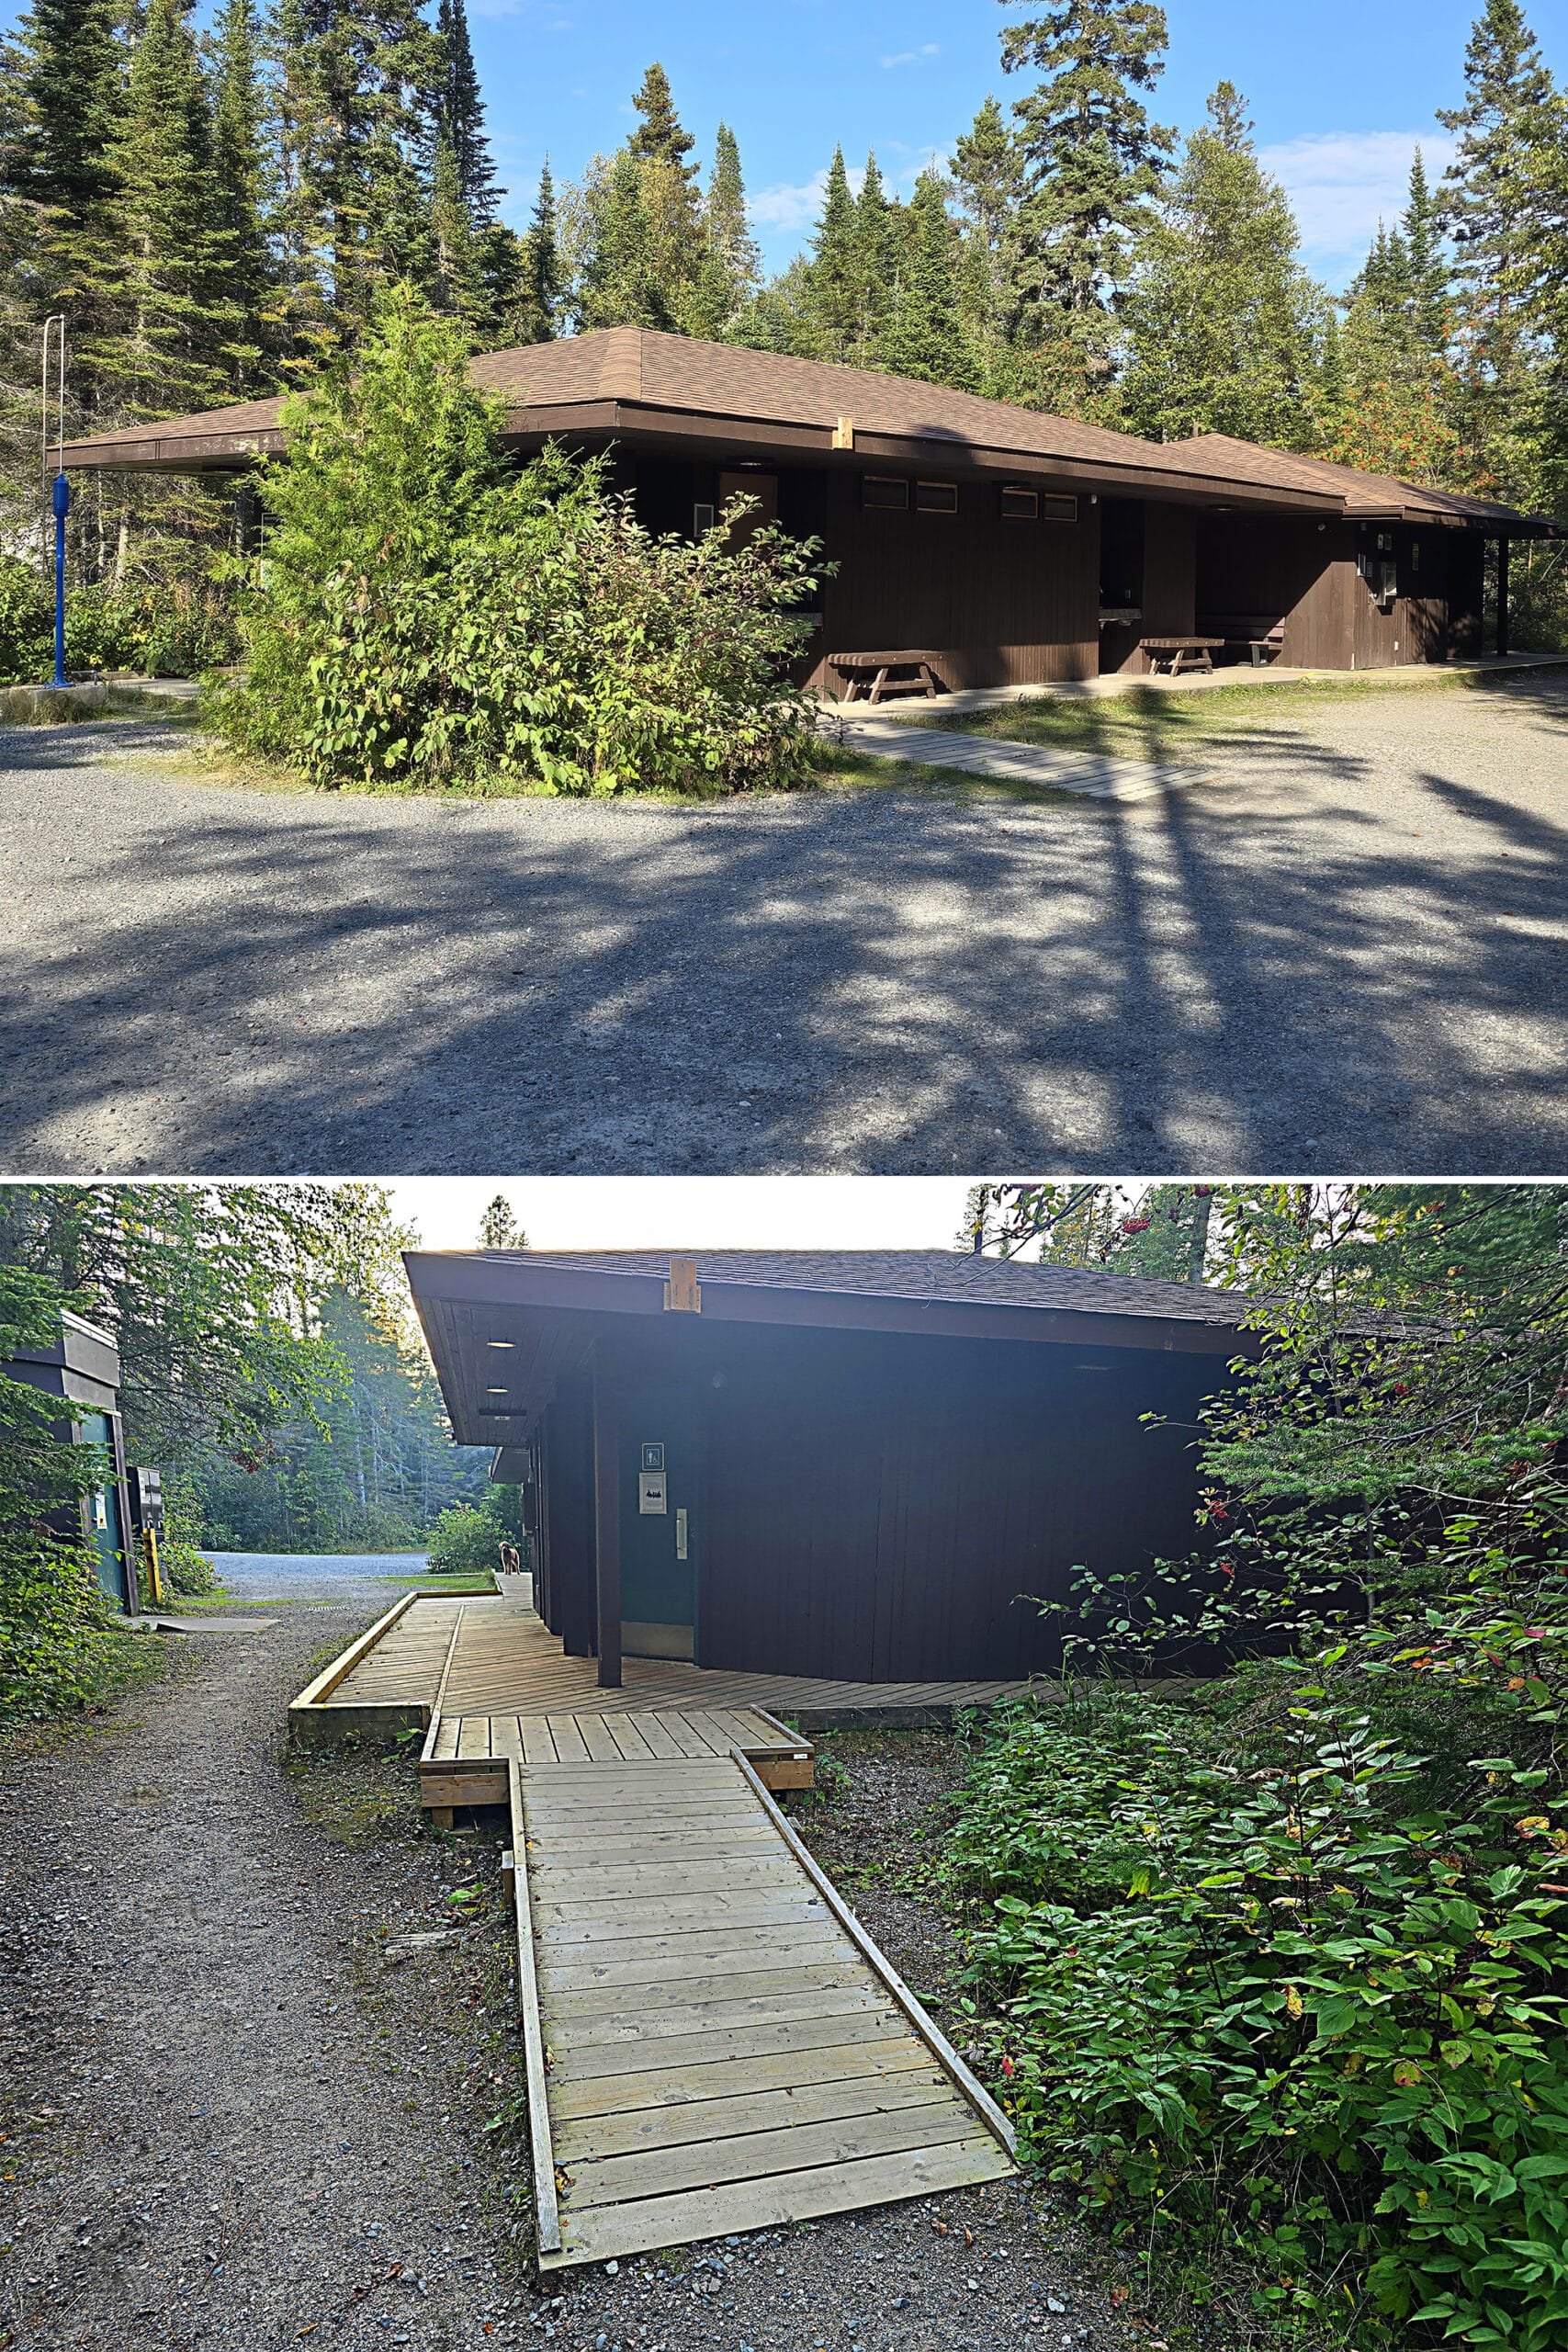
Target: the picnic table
(887, 674)
(1181, 653)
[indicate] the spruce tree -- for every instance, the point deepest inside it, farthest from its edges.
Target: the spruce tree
(176, 316)
(879, 255)
(459, 114)
(239, 171)
(732, 266)
(988, 174)
(833, 268)
(659, 136)
(1092, 161)
(68, 98)
(924, 337)
(1223, 317)
(535, 316)
(1431, 287)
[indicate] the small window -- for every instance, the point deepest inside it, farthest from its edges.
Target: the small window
(702, 521)
(1415, 555)
(886, 491)
(936, 498)
(1021, 503)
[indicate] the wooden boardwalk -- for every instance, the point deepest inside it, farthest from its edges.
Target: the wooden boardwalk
(507, 1663)
(713, 2041)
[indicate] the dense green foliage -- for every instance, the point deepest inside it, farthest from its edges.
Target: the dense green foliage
(426, 613)
(52, 1608)
(471, 1535)
(1277, 1966)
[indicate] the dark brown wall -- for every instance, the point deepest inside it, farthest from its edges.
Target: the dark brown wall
(1308, 576)
(875, 1508)
(999, 603)
(1168, 585)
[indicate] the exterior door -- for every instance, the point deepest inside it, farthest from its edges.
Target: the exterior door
(104, 1529)
(658, 1523)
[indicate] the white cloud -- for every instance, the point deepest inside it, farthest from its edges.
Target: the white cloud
(912, 56)
(1341, 183)
(789, 210)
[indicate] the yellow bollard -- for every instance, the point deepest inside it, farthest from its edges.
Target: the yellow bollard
(154, 1575)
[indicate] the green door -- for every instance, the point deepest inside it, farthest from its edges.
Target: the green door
(103, 1515)
(658, 1524)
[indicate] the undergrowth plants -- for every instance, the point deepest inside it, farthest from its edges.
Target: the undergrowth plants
(1275, 1967)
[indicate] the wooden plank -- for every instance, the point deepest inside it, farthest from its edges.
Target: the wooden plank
(346, 1660)
(586, 2138)
(569, 2031)
(506, 1737)
(625, 1731)
(655, 1732)
(444, 1789)
(651, 1961)
(597, 1739)
(442, 1741)
(473, 1740)
(769, 2155)
(603, 2232)
(570, 1744)
(664, 2086)
(432, 1740)
(610, 2000)
(573, 1925)
(538, 1744)
(738, 1843)
(722, 2048)
(547, 2218)
(689, 1873)
(979, 2099)
(689, 1741)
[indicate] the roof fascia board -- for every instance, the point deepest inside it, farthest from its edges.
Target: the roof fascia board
(458, 1279)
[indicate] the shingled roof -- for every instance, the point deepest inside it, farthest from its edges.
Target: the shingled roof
(1368, 496)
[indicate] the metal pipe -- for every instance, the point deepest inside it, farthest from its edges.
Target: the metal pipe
(59, 489)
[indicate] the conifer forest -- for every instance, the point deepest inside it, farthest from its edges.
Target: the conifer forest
(214, 211)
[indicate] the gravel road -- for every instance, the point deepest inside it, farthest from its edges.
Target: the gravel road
(1344, 949)
(226, 2119)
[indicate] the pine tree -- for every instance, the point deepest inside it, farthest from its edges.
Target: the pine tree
(1223, 317)
(239, 171)
(1092, 161)
(499, 1227)
(879, 254)
(924, 337)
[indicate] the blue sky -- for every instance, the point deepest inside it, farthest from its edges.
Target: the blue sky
(1338, 96)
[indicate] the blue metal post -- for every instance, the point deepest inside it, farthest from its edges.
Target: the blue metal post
(61, 501)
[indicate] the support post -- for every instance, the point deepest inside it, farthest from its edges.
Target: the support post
(1502, 596)
(607, 1527)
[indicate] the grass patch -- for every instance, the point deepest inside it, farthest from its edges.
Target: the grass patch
(356, 1797)
(76, 705)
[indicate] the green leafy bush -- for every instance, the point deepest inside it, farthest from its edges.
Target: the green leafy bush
(185, 1568)
(464, 1538)
(174, 628)
(26, 623)
(427, 612)
(1260, 1972)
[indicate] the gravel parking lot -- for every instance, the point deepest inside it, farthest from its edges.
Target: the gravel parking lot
(1342, 948)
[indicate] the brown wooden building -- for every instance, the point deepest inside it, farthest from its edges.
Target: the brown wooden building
(1016, 547)
(82, 1366)
(866, 1466)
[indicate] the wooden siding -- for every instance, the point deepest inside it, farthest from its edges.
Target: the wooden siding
(1307, 575)
(881, 1508)
(1162, 544)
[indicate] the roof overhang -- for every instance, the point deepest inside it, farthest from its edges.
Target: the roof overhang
(185, 446)
(499, 1323)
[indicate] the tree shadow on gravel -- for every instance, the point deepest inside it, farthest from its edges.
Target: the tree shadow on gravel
(221, 982)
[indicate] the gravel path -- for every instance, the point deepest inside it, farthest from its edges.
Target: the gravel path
(346, 1577)
(226, 2119)
(1345, 950)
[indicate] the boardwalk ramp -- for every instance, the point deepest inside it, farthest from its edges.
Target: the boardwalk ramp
(714, 2044)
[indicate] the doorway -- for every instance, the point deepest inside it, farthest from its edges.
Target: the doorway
(104, 1527)
(658, 1523)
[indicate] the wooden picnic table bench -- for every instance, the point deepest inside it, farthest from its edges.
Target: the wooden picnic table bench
(1263, 634)
(1181, 653)
(889, 674)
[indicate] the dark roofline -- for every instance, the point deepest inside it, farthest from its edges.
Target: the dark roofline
(525, 1280)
